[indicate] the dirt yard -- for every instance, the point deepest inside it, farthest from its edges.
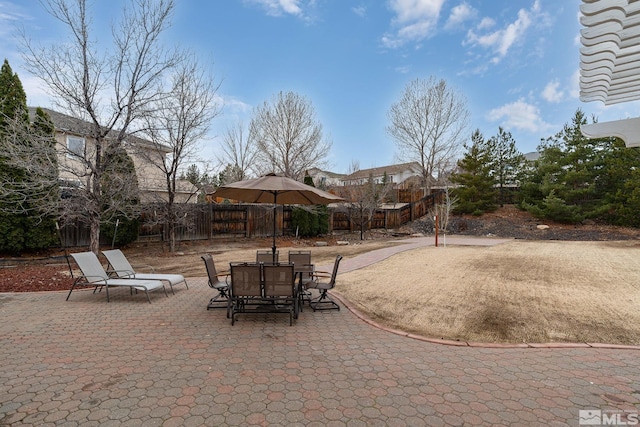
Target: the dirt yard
(562, 283)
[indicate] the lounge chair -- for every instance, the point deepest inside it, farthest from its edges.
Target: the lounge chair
(93, 274)
(324, 301)
(120, 267)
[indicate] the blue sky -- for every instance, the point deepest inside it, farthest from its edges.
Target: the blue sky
(515, 62)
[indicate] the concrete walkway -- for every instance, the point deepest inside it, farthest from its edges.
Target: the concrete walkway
(88, 362)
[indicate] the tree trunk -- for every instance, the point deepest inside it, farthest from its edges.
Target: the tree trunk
(94, 234)
(172, 237)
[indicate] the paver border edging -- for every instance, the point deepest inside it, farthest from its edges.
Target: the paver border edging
(557, 345)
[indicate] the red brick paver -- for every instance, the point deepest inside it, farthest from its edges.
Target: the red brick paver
(172, 362)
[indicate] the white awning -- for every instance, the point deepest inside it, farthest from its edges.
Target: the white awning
(610, 52)
(610, 63)
(627, 130)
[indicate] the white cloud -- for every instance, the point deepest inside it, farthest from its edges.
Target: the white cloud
(500, 41)
(551, 92)
(459, 14)
(414, 20)
(233, 105)
(37, 95)
(486, 23)
(10, 16)
(279, 7)
(359, 10)
(519, 115)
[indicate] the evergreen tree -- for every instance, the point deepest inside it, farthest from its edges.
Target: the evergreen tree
(313, 221)
(564, 185)
(621, 185)
(21, 226)
(504, 160)
(13, 99)
(476, 192)
(13, 104)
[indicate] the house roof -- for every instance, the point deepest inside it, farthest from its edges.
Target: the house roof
(316, 171)
(610, 63)
(379, 171)
(72, 125)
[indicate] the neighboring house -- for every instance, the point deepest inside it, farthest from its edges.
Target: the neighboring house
(532, 156)
(400, 175)
(325, 179)
(73, 133)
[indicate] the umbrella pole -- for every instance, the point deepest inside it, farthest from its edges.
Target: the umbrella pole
(275, 211)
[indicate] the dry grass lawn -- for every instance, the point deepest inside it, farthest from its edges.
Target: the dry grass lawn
(521, 291)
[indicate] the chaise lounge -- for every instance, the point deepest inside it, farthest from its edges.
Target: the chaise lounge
(93, 274)
(121, 268)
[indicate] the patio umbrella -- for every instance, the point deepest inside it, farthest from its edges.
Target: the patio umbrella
(277, 190)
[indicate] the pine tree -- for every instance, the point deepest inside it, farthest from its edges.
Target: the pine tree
(504, 160)
(564, 184)
(476, 192)
(621, 184)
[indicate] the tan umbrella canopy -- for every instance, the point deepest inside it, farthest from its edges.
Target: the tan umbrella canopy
(277, 190)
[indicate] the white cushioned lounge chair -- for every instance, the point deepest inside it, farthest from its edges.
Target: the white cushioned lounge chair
(120, 267)
(94, 274)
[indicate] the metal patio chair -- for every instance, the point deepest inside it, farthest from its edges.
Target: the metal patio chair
(323, 283)
(215, 283)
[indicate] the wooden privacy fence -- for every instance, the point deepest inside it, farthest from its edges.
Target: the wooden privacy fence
(207, 221)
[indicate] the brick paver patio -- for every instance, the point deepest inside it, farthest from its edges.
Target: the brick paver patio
(88, 362)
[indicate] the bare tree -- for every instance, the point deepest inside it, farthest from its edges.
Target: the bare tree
(177, 122)
(240, 153)
(428, 125)
(442, 209)
(110, 90)
(364, 200)
(288, 136)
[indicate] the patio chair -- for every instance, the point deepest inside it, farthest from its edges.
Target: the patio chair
(245, 287)
(93, 274)
(280, 289)
(324, 301)
(119, 267)
(266, 257)
(301, 259)
(215, 283)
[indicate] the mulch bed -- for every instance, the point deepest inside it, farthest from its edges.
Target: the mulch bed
(35, 278)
